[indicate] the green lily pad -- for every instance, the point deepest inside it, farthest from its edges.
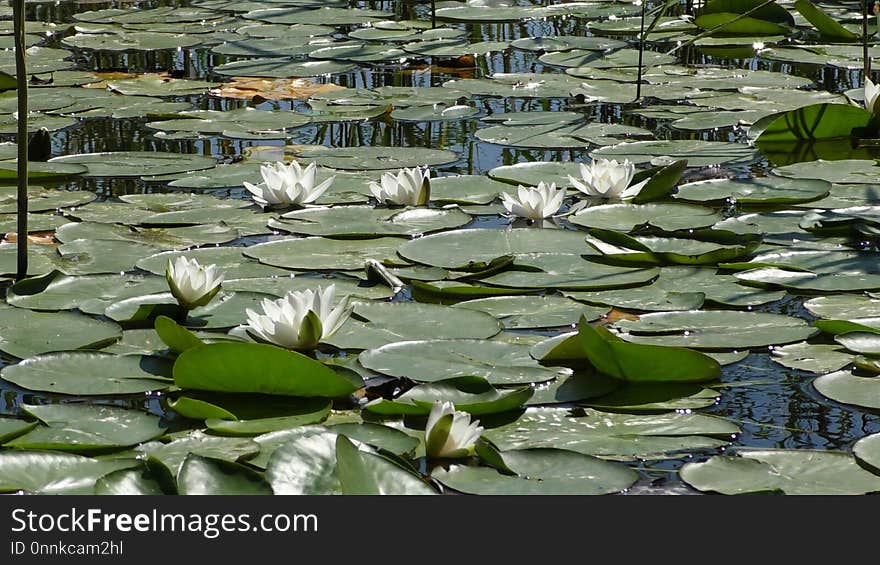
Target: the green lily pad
(208, 475)
(524, 312)
(789, 471)
(577, 387)
(305, 465)
(541, 472)
(698, 153)
(367, 222)
(364, 473)
(607, 434)
(43, 200)
(867, 452)
(812, 357)
(385, 323)
(229, 260)
(174, 453)
(24, 333)
(638, 362)
(470, 249)
(757, 191)
(867, 343)
(532, 173)
(318, 253)
(845, 171)
(257, 368)
(473, 395)
(84, 428)
(135, 163)
(130, 41)
(655, 397)
(138, 481)
(705, 329)
(844, 306)
(90, 294)
(281, 285)
(11, 428)
(154, 85)
(44, 472)
(248, 120)
(718, 246)
(847, 388)
(498, 363)
(382, 437)
(90, 373)
(467, 189)
(630, 217)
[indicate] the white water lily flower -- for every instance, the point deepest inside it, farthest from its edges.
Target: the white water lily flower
(449, 433)
(288, 184)
(300, 320)
(608, 179)
(535, 203)
(409, 187)
(872, 92)
(758, 46)
(192, 284)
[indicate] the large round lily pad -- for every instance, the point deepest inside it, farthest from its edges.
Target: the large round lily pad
(45, 472)
(541, 472)
(318, 253)
(698, 153)
(844, 386)
(367, 222)
(24, 333)
(378, 324)
(90, 293)
(715, 329)
(789, 471)
(87, 427)
(434, 360)
(136, 163)
(467, 249)
(521, 312)
(611, 435)
(90, 373)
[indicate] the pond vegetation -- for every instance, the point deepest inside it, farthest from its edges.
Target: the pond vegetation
(482, 246)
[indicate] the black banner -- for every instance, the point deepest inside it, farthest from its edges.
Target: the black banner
(256, 530)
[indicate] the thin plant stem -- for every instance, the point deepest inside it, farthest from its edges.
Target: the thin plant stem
(641, 53)
(22, 168)
(866, 60)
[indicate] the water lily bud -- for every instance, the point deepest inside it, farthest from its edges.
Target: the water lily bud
(608, 179)
(535, 203)
(872, 92)
(300, 320)
(288, 185)
(450, 434)
(409, 187)
(192, 285)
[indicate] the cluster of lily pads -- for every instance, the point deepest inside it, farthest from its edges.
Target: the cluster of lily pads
(557, 289)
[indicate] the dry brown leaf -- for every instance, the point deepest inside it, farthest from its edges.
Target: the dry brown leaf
(39, 238)
(616, 315)
(248, 88)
